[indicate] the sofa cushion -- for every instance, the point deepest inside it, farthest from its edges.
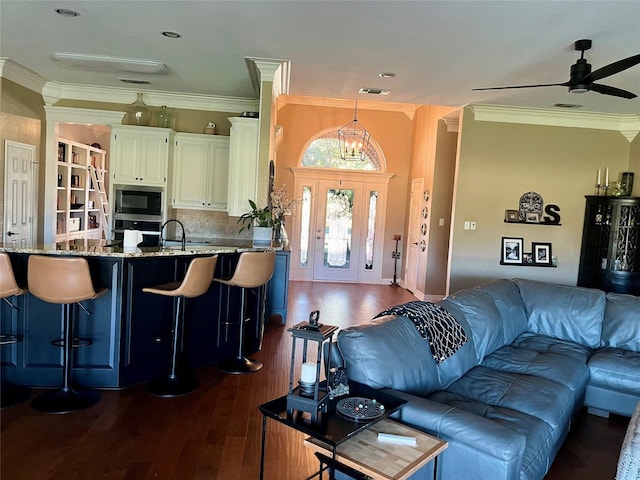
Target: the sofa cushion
(542, 343)
(388, 352)
(506, 296)
(483, 316)
(435, 324)
(564, 312)
(616, 369)
(465, 358)
(621, 325)
(535, 396)
(570, 372)
(538, 434)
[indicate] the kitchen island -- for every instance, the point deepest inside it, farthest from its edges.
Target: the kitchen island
(130, 329)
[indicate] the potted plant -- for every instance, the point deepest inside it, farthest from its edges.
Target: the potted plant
(262, 222)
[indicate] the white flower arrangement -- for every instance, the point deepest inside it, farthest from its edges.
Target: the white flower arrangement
(280, 204)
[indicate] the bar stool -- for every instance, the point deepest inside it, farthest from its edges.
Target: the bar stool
(67, 282)
(10, 394)
(254, 269)
(196, 282)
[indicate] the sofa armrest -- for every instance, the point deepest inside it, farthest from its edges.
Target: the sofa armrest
(455, 425)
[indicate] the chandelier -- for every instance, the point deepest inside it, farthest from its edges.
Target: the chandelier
(353, 139)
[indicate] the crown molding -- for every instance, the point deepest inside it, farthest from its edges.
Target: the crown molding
(83, 115)
(452, 121)
(408, 109)
(21, 75)
(627, 125)
(52, 92)
(277, 71)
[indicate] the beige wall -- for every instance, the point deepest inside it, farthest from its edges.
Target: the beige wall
(392, 130)
(498, 162)
(21, 117)
(634, 164)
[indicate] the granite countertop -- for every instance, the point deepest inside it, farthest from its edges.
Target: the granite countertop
(103, 248)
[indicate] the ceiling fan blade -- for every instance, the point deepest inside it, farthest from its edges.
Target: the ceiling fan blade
(611, 69)
(565, 84)
(607, 90)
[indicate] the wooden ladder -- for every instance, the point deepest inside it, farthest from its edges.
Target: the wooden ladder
(103, 202)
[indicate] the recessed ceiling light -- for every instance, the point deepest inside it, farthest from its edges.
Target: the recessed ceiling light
(134, 81)
(171, 34)
(387, 75)
(567, 105)
(65, 12)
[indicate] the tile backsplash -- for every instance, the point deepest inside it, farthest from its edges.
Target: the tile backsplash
(206, 224)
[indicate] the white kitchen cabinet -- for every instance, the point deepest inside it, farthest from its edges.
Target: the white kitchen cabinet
(140, 155)
(200, 171)
(243, 164)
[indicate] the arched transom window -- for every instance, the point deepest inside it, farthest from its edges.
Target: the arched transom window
(324, 152)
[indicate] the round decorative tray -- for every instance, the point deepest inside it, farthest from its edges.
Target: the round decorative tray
(359, 409)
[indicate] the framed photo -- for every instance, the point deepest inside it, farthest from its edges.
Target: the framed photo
(511, 216)
(527, 258)
(532, 217)
(511, 250)
(541, 253)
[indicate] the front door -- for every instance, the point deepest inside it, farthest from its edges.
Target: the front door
(338, 231)
(19, 221)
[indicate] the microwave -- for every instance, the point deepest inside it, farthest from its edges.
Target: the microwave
(138, 201)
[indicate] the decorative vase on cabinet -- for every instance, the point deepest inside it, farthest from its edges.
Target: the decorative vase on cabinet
(138, 113)
(610, 255)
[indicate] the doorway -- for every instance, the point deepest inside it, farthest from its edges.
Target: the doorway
(338, 233)
(19, 194)
(413, 235)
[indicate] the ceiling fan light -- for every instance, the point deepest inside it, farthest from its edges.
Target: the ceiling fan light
(109, 64)
(578, 89)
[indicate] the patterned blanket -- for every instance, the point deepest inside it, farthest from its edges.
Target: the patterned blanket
(443, 332)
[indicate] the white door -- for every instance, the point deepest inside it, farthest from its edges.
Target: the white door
(339, 237)
(413, 237)
(19, 217)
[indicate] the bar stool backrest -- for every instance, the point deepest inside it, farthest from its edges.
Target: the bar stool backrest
(198, 278)
(8, 285)
(254, 269)
(60, 280)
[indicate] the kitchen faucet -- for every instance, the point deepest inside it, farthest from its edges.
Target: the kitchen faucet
(183, 239)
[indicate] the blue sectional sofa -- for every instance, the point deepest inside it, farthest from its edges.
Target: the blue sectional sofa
(535, 353)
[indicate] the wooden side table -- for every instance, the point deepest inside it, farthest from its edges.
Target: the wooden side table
(381, 460)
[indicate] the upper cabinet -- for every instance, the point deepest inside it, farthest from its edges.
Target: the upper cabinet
(140, 155)
(243, 164)
(200, 172)
(610, 257)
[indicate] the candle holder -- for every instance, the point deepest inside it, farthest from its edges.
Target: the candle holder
(310, 395)
(598, 187)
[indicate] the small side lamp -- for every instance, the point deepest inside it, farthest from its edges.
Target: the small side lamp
(309, 395)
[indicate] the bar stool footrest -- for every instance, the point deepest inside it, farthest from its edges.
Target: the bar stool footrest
(76, 342)
(168, 386)
(6, 339)
(239, 365)
(65, 400)
(13, 394)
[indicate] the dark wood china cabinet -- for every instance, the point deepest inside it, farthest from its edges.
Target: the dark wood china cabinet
(610, 255)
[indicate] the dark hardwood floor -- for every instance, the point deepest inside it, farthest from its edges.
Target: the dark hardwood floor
(214, 433)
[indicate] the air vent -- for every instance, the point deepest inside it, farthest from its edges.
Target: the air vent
(567, 105)
(374, 91)
(134, 81)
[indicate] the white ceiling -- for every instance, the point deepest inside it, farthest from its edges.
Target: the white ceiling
(439, 50)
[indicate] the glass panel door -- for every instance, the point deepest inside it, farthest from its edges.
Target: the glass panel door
(338, 231)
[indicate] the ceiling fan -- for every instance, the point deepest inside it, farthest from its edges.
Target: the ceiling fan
(581, 78)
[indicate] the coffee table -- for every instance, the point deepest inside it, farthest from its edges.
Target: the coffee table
(330, 428)
(367, 457)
